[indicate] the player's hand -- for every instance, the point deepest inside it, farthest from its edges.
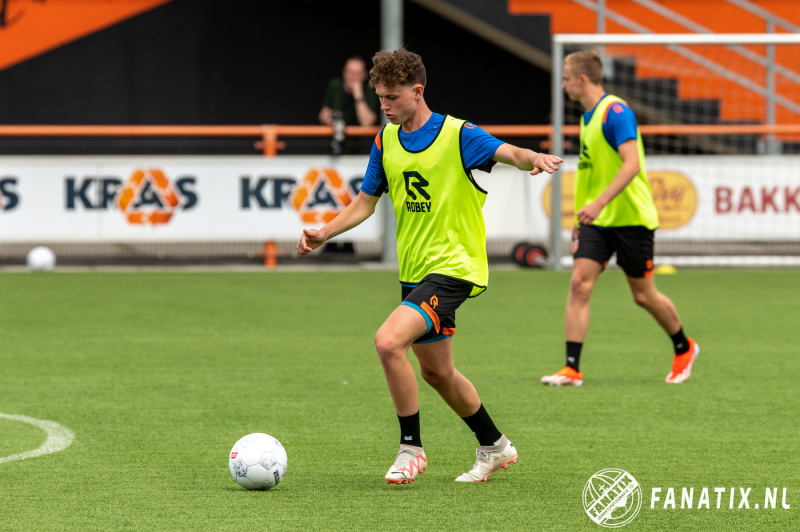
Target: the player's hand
(545, 163)
(575, 233)
(589, 213)
(311, 240)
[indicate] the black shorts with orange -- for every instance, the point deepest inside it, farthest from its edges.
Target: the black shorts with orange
(632, 244)
(436, 297)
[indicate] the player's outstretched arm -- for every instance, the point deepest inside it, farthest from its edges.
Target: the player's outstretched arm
(359, 210)
(527, 160)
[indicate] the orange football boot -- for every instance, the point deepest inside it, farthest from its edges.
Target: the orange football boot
(682, 364)
(566, 377)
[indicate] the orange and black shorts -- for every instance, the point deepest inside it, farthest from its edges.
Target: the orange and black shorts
(632, 244)
(436, 297)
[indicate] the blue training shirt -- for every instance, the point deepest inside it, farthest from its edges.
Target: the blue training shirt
(477, 146)
(619, 124)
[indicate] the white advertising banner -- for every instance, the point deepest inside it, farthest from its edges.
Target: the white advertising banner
(228, 198)
(703, 198)
(147, 198)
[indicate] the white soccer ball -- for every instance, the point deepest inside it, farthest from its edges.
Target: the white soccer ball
(41, 259)
(258, 462)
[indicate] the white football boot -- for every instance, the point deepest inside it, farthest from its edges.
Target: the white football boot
(488, 462)
(408, 463)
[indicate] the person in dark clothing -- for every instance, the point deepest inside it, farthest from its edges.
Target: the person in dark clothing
(354, 99)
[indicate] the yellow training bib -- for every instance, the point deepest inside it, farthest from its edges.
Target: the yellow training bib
(597, 168)
(438, 204)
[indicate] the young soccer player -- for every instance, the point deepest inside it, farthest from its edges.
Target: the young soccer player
(424, 162)
(614, 212)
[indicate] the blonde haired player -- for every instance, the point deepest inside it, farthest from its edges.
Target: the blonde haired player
(614, 213)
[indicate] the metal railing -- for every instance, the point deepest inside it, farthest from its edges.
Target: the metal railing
(768, 90)
(270, 136)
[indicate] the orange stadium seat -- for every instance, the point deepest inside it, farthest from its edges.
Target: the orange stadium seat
(694, 82)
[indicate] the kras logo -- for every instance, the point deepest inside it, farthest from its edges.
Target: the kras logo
(147, 198)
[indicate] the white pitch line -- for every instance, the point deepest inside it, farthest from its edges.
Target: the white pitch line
(58, 438)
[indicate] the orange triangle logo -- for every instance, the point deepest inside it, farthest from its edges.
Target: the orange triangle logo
(320, 196)
(147, 198)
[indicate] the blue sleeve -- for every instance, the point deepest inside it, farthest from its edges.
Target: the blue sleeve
(619, 124)
(375, 183)
(478, 147)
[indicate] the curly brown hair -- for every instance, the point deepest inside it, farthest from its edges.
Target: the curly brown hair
(398, 68)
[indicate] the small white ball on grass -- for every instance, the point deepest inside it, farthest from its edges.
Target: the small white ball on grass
(41, 259)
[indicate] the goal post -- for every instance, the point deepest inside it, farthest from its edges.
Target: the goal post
(719, 115)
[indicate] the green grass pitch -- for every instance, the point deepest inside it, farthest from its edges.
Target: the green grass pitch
(158, 374)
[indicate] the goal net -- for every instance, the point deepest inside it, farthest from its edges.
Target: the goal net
(720, 120)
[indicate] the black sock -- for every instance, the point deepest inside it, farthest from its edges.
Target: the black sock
(574, 355)
(409, 430)
(483, 427)
(680, 341)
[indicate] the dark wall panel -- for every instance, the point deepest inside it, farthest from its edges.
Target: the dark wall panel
(244, 62)
(472, 79)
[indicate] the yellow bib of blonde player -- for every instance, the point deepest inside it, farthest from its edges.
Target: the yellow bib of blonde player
(438, 205)
(597, 168)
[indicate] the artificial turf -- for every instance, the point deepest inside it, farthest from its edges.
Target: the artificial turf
(158, 374)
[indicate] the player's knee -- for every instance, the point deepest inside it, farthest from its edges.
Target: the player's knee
(437, 377)
(387, 346)
(641, 298)
(580, 287)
